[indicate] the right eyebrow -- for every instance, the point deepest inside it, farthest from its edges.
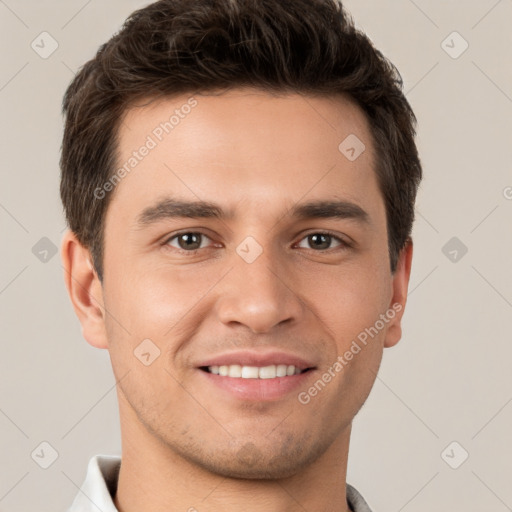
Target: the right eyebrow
(173, 208)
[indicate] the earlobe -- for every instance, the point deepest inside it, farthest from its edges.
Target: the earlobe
(400, 286)
(84, 289)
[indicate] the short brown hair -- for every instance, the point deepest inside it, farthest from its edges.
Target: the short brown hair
(185, 46)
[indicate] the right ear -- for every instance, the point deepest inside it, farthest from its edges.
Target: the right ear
(84, 289)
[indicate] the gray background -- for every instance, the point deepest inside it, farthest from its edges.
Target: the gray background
(449, 379)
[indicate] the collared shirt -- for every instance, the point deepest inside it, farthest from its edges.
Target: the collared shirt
(98, 491)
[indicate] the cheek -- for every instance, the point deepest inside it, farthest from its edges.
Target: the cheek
(348, 302)
(151, 301)
(146, 311)
(349, 306)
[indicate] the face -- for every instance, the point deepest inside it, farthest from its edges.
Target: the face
(245, 257)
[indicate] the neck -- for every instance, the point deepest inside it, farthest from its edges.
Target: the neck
(153, 478)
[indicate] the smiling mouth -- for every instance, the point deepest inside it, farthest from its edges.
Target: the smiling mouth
(255, 372)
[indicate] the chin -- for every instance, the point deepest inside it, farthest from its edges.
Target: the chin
(252, 461)
(263, 469)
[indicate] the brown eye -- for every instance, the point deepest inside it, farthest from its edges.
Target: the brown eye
(321, 241)
(189, 241)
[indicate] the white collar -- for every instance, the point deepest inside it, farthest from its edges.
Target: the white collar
(98, 490)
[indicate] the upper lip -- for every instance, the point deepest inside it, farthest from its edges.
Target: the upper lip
(252, 358)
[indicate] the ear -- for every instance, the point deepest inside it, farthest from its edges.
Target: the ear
(400, 286)
(84, 289)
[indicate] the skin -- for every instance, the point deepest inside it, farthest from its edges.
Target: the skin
(189, 444)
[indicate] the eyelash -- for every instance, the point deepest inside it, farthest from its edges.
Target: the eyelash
(343, 244)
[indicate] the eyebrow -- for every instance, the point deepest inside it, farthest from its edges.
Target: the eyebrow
(169, 208)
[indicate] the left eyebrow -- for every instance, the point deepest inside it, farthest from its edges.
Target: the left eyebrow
(330, 209)
(173, 208)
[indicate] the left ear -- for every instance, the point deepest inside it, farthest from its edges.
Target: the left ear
(400, 286)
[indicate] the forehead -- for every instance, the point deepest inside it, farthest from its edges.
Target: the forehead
(246, 147)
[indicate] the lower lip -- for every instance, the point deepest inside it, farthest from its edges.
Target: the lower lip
(258, 389)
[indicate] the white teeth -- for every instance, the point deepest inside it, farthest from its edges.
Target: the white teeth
(254, 372)
(268, 372)
(235, 370)
(281, 370)
(250, 372)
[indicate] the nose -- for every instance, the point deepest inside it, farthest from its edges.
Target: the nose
(259, 295)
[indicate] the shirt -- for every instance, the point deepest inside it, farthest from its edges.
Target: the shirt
(100, 485)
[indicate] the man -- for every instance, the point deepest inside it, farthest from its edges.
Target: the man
(239, 180)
